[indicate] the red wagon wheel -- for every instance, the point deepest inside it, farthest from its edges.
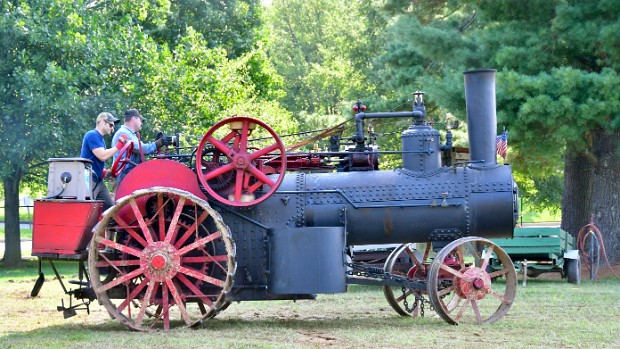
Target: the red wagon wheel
(461, 288)
(405, 260)
(248, 166)
(123, 158)
(161, 258)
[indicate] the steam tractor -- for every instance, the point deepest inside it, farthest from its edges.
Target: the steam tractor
(243, 218)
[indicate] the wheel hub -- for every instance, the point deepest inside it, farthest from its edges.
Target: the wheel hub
(160, 261)
(478, 286)
(241, 161)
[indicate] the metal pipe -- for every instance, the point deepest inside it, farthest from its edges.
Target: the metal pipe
(481, 116)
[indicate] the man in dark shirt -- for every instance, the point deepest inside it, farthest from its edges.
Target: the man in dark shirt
(94, 149)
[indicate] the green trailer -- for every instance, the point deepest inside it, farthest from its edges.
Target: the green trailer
(537, 250)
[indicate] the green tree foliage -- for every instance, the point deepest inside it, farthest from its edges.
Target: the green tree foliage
(234, 26)
(64, 61)
(557, 85)
(323, 50)
(195, 86)
(47, 93)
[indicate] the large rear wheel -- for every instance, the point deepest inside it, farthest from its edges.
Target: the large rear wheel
(161, 258)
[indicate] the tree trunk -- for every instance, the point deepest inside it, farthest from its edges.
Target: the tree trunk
(606, 191)
(577, 195)
(12, 247)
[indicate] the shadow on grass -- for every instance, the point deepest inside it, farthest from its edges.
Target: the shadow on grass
(112, 328)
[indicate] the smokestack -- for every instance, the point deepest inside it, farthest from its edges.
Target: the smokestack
(481, 117)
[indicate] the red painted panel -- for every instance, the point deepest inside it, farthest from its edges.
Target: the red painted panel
(156, 173)
(160, 173)
(63, 226)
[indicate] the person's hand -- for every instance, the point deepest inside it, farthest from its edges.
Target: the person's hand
(162, 140)
(121, 142)
(168, 140)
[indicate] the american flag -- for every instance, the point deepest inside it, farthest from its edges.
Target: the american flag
(501, 144)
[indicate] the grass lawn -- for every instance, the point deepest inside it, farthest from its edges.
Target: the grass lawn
(548, 313)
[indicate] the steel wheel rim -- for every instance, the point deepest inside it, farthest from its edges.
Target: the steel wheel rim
(180, 277)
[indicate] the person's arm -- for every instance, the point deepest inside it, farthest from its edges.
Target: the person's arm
(151, 148)
(104, 154)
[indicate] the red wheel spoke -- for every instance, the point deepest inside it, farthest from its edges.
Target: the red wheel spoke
(200, 276)
(123, 248)
(121, 279)
(459, 256)
(260, 176)
(255, 187)
(219, 171)
(237, 141)
(141, 222)
(426, 251)
(119, 263)
(194, 289)
(229, 136)
(487, 256)
(446, 291)
(173, 228)
(161, 218)
(257, 154)
(413, 258)
(178, 301)
(454, 272)
(108, 262)
(191, 229)
(498, 296)
(130, 230)
(198, 243)
(146, 300)
(239, 184)
(165, 304)
(474, 305)
(206, 259)
(462, 310)
(133, 294)
(221, 146)
(499, 273)
(454, 303)
(244, 136)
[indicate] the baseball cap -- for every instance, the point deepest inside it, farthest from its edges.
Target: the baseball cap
(133, 112)
(106, 116)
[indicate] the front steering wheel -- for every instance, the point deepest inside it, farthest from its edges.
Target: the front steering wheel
(124, 156)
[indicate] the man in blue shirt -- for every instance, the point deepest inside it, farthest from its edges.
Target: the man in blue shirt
(94, 149)
(133, 124)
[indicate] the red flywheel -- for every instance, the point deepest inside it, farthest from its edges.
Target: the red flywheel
(234, 168)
